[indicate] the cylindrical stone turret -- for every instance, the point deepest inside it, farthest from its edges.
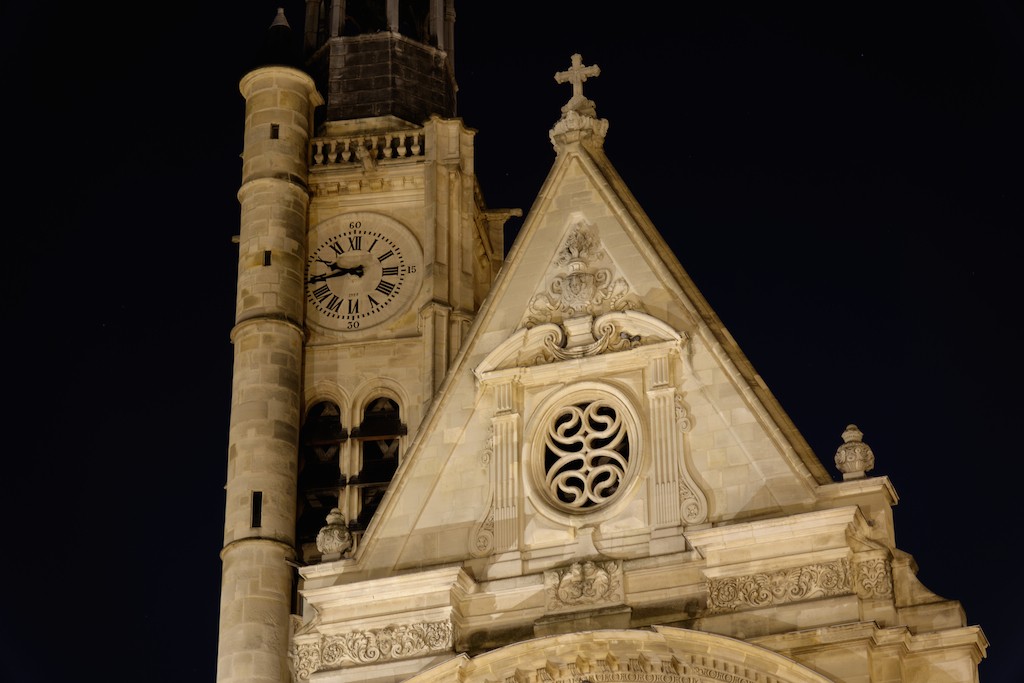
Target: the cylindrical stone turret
(266, 403)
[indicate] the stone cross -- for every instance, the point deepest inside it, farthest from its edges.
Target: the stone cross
(576, 74)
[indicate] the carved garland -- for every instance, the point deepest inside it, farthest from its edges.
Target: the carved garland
(372, 646)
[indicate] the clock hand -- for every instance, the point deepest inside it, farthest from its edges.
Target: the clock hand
(357, 271)
(329, 264)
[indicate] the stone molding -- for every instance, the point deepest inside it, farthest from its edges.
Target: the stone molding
(334, 187)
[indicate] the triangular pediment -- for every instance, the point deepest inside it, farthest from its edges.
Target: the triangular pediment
(592, 318)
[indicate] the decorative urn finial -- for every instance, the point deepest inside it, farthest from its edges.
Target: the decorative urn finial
(335, 538)
(854, 457)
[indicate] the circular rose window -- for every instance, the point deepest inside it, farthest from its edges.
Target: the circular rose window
(586, 455)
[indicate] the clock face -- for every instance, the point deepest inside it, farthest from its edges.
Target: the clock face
(362, 269)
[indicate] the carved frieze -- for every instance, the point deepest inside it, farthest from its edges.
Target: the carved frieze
(766, 589)
(372, 646)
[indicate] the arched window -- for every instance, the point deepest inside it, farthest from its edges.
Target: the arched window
(379, 436)
(320, 476)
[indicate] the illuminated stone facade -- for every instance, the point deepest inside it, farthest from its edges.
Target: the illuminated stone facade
(587, 479)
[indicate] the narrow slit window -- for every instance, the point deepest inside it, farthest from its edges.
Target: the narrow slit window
(257, 509)
(275, 131)
(266, 258)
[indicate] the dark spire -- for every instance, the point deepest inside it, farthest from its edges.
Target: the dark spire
(280, 44)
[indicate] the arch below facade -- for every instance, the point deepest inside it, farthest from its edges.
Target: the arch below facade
(660, 655)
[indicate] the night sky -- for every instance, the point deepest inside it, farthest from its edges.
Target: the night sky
(843, 181)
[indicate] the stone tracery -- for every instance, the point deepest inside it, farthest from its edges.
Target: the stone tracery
(586, 455)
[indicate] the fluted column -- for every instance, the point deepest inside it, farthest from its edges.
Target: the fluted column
(504, 470)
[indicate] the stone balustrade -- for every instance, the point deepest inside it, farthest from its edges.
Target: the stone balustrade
(360, 149)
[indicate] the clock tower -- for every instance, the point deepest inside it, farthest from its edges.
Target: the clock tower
(365, 250)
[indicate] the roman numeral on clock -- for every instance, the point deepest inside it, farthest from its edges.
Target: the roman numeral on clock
(333, 304)
(385, 287)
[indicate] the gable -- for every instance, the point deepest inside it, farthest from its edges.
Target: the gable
(589, 310)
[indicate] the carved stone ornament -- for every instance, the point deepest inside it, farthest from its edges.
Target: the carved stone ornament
(873, 579)
(581, 288)
(334, 539)
(487, 452)
(583, 584)
(482, 540)
(692, 506)
(371, 646)
(682, 414)
(775, 588)
(854, 457)
(576, 338)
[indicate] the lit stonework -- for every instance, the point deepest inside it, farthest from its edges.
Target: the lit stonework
(552, 463)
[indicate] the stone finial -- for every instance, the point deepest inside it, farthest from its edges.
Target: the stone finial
(854, 457)
(335, 538)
